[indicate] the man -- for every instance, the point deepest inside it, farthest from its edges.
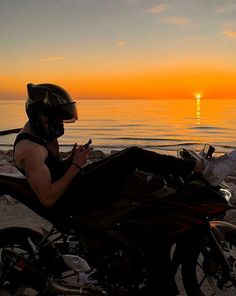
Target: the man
(36, 154)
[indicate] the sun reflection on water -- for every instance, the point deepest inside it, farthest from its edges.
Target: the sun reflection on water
(198, 110)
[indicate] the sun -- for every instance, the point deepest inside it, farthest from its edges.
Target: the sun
(198, 96)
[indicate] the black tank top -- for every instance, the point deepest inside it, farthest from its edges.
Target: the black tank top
(55, 165)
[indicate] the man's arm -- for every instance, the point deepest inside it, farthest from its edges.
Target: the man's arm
(39, 177)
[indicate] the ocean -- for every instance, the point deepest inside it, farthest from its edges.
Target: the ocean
(159, 125)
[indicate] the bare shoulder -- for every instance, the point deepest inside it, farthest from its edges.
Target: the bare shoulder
(27, 150)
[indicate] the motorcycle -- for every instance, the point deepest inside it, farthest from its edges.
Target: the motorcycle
(103, 250)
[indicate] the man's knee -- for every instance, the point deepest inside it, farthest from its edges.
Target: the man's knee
(134, 150)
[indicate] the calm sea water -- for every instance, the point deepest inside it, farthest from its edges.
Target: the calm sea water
(154, 124)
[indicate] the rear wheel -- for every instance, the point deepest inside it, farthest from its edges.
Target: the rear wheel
(14, 245)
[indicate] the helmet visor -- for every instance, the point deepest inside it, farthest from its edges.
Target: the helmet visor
(66, 112)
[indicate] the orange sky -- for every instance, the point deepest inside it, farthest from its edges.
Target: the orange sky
(119, 49)
(169, 83)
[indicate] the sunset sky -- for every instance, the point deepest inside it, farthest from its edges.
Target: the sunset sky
(119, 48)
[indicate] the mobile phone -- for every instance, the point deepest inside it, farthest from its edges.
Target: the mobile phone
(87, 144)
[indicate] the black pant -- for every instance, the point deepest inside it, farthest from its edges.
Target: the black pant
(104, 178)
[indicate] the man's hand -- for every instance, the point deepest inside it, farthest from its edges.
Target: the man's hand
(72, 152)
(80, 155)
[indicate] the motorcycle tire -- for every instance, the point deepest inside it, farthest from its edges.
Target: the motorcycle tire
(16, 240)
(199, 280)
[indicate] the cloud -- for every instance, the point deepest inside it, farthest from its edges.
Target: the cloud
(157, 9)
(179, 21)
(51, 59)
(230, 34)
(120, 43)
(225, 8)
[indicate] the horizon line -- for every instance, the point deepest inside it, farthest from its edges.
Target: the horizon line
(120, 99)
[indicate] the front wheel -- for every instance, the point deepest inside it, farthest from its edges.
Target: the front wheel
(14, 245)
(205, 272)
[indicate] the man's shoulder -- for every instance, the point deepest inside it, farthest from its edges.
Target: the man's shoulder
(28, 149)
(27, 144)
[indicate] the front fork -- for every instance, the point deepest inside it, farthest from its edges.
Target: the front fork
(218, 231)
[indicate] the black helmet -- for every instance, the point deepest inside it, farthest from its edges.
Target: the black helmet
(55, 104)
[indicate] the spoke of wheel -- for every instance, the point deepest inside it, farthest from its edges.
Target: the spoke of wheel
(199, 265)
(202, 281)
(212, 285)
(204, 277)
